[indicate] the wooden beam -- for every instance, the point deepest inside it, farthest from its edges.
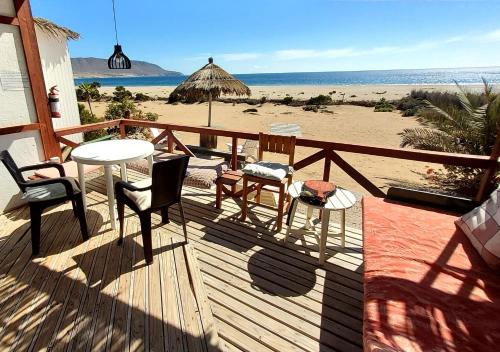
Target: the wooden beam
(309, 160)
(35, 74)
(67, 142)
(326, 169)
(86, 128)
(234, 154)
(476, 161)
(19, 128)
(123, 133)
(9, 20)
(161, 136)
(355, 174)
(490, 172)
(180, 144)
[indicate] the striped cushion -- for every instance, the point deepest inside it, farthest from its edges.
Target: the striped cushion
(482, 227)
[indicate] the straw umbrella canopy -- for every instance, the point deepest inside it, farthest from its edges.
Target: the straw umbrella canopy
(213, 81)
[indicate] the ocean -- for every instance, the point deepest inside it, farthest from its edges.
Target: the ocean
(416, 77)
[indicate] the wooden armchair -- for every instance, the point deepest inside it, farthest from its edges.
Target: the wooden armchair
(256, 180)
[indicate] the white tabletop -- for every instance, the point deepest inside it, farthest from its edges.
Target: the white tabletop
(341, 199)
(112, 152)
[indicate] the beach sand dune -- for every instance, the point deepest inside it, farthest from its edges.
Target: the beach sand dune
(346, 124)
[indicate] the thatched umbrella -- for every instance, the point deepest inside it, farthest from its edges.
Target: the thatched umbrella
(213, 81)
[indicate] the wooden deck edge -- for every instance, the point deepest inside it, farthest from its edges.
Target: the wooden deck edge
(200, 294)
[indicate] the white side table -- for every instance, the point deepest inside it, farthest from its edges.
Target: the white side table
(340, 201)
(109, 153)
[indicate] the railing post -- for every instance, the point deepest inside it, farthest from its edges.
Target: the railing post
(122, 130)
(490, 172)
(234, 154)
(326, 168)
(170, 141)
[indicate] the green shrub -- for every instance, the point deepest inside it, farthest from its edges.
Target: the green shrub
(383, 106)
(263, 100)
(142, 97)
(320, 100)
(287, 100)
(469, 128)
(121, 94)
(85, 118)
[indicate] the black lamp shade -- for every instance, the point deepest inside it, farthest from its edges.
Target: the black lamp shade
(119, 61)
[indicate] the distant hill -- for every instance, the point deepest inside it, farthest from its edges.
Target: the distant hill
(93, 67)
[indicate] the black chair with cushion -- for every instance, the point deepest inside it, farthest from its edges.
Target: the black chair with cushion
(45, 193)
(152, 194)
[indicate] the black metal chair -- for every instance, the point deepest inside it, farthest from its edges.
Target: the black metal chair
(45, 193)
(151, 194)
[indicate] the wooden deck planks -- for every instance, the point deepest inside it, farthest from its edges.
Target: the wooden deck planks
(262, 296)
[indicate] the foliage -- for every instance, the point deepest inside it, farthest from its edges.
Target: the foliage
(263, 100)
(409, 105)
(470, 128)
(320, 100)
(120, 94)
(85, 118)
(142, 97)
(287, 100)
(127, 109)
(383, 106)
(88, 92)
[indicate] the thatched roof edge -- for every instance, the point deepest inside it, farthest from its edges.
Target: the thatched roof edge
(54, 29)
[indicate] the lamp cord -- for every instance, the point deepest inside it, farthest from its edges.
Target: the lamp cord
(114, 18)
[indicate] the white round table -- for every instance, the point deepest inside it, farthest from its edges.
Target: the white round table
(109, 153)
(341, 200)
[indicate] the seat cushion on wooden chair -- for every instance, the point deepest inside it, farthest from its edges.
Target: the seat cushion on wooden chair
(141, 198)
(268, 170)
(48, 192)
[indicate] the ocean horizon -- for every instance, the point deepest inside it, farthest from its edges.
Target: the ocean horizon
(374, 77)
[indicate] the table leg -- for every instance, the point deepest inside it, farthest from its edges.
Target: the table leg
(150, 165)
(325, 221)
(81, 180)
(292, 216)
(342, 228)
(108, 172)
(308, 218)
(123, 172)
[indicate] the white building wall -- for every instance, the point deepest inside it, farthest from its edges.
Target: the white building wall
(16, 100)
(57, 70)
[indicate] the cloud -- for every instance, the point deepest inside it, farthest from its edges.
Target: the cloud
(239, 56)
(295, 54)
(491, 37)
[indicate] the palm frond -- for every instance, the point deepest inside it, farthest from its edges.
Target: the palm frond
(427, 139)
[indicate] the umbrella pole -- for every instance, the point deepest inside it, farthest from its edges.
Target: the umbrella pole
(209, 109)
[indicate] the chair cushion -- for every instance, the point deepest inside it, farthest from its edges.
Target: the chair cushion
(482, 227)
(201, 173)
(70, 168)
(268, 170)
(48, 192)
(140, 198)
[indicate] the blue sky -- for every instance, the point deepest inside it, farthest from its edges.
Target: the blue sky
(286, 35)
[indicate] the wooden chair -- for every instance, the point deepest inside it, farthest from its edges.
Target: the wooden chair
(151, 194)
(45, 193)
(273, 144)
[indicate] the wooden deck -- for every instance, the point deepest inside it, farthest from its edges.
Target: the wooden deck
(99, 296)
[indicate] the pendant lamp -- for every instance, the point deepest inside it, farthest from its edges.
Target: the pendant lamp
(118, 61)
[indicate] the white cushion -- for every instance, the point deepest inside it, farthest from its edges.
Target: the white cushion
(141, 198)
(268, 170)
(482, 227)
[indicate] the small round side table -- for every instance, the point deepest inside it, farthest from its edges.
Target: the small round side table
(341, 200)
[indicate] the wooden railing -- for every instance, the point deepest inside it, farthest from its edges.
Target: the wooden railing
(327, 150)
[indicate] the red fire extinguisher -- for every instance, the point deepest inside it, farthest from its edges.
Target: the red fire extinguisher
(55, 107)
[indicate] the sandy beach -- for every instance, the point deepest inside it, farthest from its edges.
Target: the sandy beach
(345, 123)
